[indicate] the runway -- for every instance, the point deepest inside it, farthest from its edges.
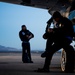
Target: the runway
(11, 64)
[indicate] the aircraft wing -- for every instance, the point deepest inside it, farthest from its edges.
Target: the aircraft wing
(51, 5)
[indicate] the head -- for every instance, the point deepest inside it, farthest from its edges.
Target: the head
(57, 16)
(23, 27)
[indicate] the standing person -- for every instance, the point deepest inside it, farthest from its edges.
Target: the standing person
(25, 35)
(63, 36)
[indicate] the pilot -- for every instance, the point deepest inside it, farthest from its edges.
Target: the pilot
(63, 36)
(25, 36)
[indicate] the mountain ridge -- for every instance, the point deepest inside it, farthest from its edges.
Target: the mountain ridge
(4, 48)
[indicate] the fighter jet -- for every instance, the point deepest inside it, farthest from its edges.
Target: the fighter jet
(51, 5)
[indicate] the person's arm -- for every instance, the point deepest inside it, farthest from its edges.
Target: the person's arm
(48, 24)
(20, 36)
(31, 35)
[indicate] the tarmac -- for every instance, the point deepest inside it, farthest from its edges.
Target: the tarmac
(11, 64)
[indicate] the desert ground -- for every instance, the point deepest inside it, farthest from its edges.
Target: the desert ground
(11, 64)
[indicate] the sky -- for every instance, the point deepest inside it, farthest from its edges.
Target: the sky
(12, 17)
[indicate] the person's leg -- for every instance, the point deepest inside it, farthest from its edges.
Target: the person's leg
(69, 58)
(69, 67)
(49, 43)
(50, 53)
(48, 58)
(29, 52)
(23, 51)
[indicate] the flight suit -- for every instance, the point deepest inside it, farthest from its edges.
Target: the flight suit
(26, 55)
(62, 38)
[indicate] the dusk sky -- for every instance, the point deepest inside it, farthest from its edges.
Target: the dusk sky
(13, 16)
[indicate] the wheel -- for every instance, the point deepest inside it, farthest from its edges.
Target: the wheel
(63, 60)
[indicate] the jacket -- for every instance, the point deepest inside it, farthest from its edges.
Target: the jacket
(23, 35)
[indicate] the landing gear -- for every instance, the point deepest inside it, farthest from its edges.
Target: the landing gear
(63, 60)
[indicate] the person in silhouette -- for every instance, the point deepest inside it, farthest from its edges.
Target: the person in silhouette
(25, 36)
(63, 36)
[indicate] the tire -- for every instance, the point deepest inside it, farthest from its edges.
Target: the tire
(63, 60)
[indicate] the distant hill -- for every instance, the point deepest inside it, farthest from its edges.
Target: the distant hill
(3, 48)
(10, 49)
